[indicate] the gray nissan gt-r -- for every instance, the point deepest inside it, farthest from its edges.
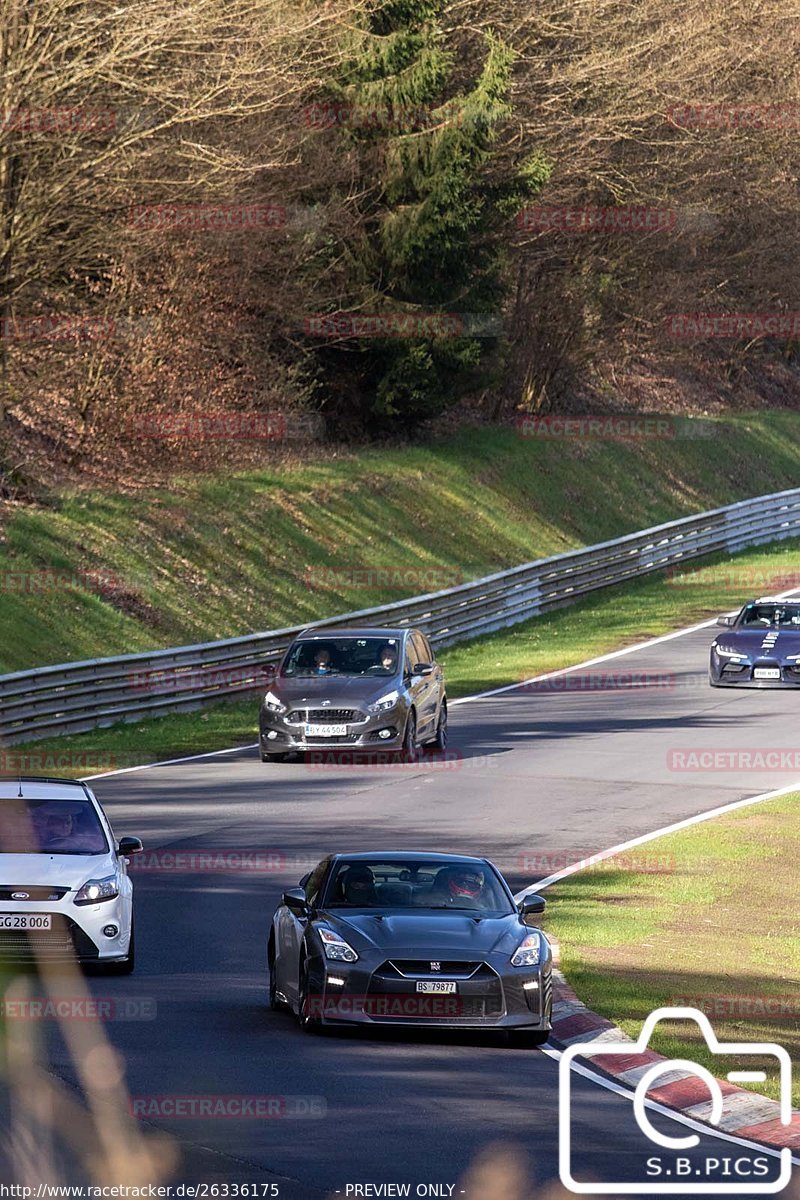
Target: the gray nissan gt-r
(760, 648)
(414, 939)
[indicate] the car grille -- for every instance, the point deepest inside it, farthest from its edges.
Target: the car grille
(416, 968)
(64, 940)
(334, 716)
(7, 892)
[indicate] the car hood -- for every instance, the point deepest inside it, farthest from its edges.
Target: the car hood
(57, 870)
(342, 691)
(761, 641)
(442, 934)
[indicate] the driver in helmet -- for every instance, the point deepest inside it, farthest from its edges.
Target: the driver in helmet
(359, 886)
(464, 887)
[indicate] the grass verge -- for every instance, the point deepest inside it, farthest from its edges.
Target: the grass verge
(92, 574)
(716, 929)
(608, 620)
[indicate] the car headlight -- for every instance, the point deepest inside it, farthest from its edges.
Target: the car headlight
(336, 947)
(96, 890)
(726, 652)
(528, 952)
(273, 703)
(385, 703)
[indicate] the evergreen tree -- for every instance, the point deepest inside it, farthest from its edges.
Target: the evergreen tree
(438, 210)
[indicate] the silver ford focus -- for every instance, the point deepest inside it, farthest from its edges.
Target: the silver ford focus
(358, 690)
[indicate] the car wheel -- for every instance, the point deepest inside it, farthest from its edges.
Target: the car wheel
(524, 1038)
(410, 748)
(127, 965)
(309, 1022)
(440, 740)
(275, 1004)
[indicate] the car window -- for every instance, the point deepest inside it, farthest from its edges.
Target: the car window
(313, 882)
(436, 886)
(50, 827)
(782, 616)
(418, 651)
(322, 657)
(429, 654)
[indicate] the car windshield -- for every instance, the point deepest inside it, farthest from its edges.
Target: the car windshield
(778, 616)
(50, 827)
(370, 656)
(471, 886)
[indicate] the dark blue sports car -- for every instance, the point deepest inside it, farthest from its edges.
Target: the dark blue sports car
(760, 646)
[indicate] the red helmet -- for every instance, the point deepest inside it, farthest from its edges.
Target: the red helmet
(465, 881)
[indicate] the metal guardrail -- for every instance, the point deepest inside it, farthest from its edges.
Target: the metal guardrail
(76, 697)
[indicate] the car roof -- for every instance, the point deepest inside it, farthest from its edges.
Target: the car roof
(41, 787)
(309, 635)
(774, 600)
(388, 856)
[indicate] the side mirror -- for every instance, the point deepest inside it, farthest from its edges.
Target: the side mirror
(269, 669)
(532, 905)
(129, 845)
(423, 669)
(295, 901)
(726, 622)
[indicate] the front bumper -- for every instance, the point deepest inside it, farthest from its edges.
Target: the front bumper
(279, 733)
(727, 674)
(76, 933)
(489, 999)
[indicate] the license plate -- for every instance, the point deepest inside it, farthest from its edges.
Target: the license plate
(326, 731)
(26, 921)
(767, 673)
(438, 986)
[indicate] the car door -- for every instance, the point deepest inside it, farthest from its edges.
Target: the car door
(424, 687)
(290, 931)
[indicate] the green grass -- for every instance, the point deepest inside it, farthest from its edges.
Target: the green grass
(608, 620)
(717, 930)
(212, 557)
